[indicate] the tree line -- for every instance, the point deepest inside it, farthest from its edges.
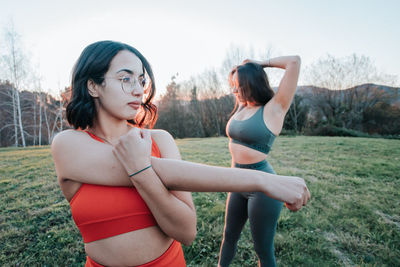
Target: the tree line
(341, 100)
(33, 120)
(364, 110)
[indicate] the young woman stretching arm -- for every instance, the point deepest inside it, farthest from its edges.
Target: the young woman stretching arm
(121, 224)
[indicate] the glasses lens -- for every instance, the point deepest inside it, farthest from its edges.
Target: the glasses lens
(126, 86)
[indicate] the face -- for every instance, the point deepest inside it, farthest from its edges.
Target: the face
(121, 93)
(235, 88)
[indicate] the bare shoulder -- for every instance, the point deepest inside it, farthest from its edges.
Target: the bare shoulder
(165, 143)
(68, 135)
(66, 144)
(162, 135)
(67, 139)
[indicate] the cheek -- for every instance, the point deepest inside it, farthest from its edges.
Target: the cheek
(116, 105)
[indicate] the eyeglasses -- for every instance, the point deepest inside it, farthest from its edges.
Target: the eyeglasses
(128, 83)
(234, 89)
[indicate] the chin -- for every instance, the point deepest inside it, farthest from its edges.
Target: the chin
(130, 116)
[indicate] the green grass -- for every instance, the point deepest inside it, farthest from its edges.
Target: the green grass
(352, 219)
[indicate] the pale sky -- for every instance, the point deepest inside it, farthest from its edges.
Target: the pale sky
(186, 37)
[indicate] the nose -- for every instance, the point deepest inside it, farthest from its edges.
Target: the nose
(137, 90)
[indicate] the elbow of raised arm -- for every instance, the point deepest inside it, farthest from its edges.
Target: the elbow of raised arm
(296, 60)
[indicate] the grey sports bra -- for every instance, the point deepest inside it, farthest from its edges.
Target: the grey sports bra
(252, 132)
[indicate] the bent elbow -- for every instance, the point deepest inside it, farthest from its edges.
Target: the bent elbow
(296, 60)
(189, 238)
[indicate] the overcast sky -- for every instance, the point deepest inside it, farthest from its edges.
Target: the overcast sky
(186, 37)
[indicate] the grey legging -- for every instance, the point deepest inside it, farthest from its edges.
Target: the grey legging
(263, 213)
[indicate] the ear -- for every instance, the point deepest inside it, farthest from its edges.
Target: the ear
(92, 88)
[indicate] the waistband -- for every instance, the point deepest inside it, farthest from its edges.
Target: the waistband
(257, 165)
(173, 256)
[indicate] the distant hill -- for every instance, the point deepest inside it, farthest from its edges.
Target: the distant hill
(394, 92)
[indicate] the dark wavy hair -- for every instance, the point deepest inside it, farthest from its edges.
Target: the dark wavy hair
(92, 64)
(253, 83)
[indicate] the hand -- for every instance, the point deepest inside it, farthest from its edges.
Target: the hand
(291, 190)
(133, 150)
(252, 61)
(263, 64)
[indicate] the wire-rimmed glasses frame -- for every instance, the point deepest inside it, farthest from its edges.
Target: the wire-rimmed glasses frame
(128, 83)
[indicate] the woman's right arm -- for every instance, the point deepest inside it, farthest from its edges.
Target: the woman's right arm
(79, 158)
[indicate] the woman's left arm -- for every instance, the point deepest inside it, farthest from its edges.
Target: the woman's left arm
(174, 211)
(287, 86)
(288, 83)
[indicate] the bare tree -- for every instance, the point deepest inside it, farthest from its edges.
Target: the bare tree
(297, 115)
(334, 95)
(233, 57)
(34, 105)
(6, 112)
(15, 65)
(58, 121)
(210, 88)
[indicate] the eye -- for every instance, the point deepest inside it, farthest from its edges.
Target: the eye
(142, 81)
(126, 79)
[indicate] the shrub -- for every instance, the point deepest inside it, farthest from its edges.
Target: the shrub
(330, 130)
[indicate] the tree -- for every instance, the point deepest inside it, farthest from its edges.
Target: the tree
(382, 118)
(15, 63)
(297, 115)
(170, 111)
(193, 115)
(334, 95)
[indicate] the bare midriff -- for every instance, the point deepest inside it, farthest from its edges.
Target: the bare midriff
(245, 155)
(129, 249)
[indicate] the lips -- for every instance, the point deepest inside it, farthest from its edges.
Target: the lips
(135, 104)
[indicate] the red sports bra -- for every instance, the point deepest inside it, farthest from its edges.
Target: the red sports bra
(104, 211)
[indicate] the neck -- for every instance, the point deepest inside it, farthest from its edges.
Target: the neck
(109, 128)
(248, 104)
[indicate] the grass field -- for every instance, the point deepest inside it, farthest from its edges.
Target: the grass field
(353, 217)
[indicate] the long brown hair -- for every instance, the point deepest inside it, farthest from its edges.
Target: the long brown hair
(253, 83)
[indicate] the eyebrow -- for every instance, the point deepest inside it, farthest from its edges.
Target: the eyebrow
(129, 71)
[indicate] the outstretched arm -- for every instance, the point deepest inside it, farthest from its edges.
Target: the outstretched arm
(79, 158)
(187, 176)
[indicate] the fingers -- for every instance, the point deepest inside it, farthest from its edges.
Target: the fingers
(146, 135)
(292, 207)
(134, 132)
(296, 204)
(301, 199)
